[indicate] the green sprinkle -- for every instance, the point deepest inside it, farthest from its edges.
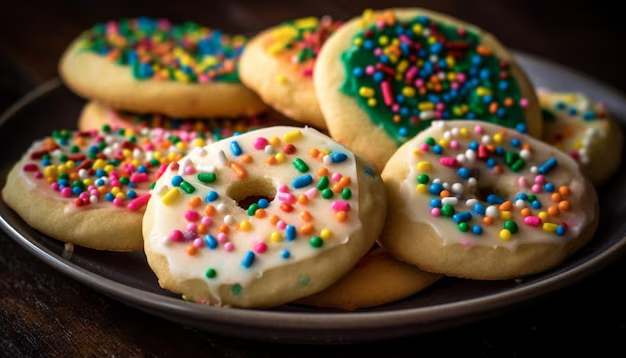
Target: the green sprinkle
(74, 149)
(430, 141)
(124, 180)
(300, 165)
(102, 145)
(92, 156)
(252, 209)
(235, 289)
(211, 273)
(106, 128)
(327, 193)
(114, 162)
(64, 176)
(518, 165)
(346, 194)
(207, 177)
(423, 179)
(511, 226)
(447, 210)
(78, 183)
(510, 158)
(187, 188)
(63, 158)
(531, 197)
(323, 183)
(463, 227)
(154, 162)
(152, 185)
(316, 241)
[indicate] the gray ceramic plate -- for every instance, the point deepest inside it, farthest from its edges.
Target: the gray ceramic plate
(450, 302)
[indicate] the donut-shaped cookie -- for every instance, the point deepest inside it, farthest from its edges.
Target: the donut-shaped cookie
(377, 279)
(95, 115)
(583, 128)
(476, 200)
(324, 210)
(278, 65)
(146, 65)
(390, 73)
(90, 188)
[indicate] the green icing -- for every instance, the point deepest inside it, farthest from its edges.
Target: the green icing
(474, 82)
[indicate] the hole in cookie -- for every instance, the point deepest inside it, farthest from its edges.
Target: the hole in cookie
(481, 193)
(248, 192)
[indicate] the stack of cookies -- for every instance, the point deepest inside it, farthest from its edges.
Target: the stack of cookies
(421, 150)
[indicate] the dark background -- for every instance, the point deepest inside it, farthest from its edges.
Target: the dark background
(43, 313)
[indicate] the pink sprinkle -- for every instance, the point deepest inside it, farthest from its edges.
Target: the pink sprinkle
(307, 72)
(190, 170)
(161, 170)
(228, 246)
(336, 177)
(340, 206)
(410, 73)
(281, 225)
(419, 83)
(177, 235)
(523, 102)
(206, 221)
(460, 76)
(283, 189)
(479, 130)
(574, 154)
(454, 85)
(94, 192)
(203, 78)
(91, 188)
(522, 182)
(149, 147)
(139, 178)
(440, 106)
(66, 192)
(405, 39)
(540, 179)
(115, 183)
(438, 114)
(192, 227)
(385, 87)
(114, 175)
(198, 242)
(287, 197)
(221, 237)
(311, 193)
(435, 212)
(191, 215)
(380, 24)
(536, 188)
(260, 248)
(84, 195)
(370, 70)
(54, 186)
(30, 167)
(378, 51)
(260, 143)
(118, 202)
(424, 147)
(466, 243)
(395, 108)
(532, 221)
(448, 162)
(454, 144)
(38, 175)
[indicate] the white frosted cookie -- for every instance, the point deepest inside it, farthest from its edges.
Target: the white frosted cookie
(149, 65)
(384, 76)
(278, 64)
(377, 279)
(584, 129)
(325, 208)
(90, 188)
(476, 200)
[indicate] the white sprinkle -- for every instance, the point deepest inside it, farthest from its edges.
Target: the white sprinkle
(107, 151)
(471, 202)
(173, 149)
(492, 211)
(221, 207)
(109, 139)
(328, 160)
(436, 181)
(520, 204)
(434, 58)
(57, 153)
(442, 75)
(471, 182)
(427, 115)
(204, 168)
(587, 142)
(183, 163)
(104, 179)
(137, 154)
(69, 247)
(457, 188)
(455, 132)
(447, 135)
(461, 158)
(228, 220)
(166, 240)
(93, 199)
(269, 149)
(470, 155)
(446, 185)
(161, 190)
(439, 124)
(450, 200)
(115, 146)
(221, 158)
(486, 139)
(584, 159)
(534, 169)
(201, 152)
(82, 173)
(525, 154)
(145, 131)
(426, 32)
(592, 132)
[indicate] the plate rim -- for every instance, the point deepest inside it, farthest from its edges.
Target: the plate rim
(307, 321)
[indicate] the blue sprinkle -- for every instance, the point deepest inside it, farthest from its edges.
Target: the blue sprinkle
(290, 232)
(423, 19)
(338, 157)
(263, 203)
(501, 112)
(211, 196)
(436, 47)
(132, 185)
(93, 149)
(400, 99)
(142, 169)
(109, 197)
(302, 181)
(145, 70)
(435, 203)
(500, 151)
(470, 115)
(494, 199)
(547, 167)
(476, 60)
(437, 149)
(46, 162)
(101, 173)
(473, 146)
(358, 72)
(521, 196)
(560, 230)
(235, 148)
(477, 229)
(131, 194)
(462, 217)
(63, 182)
(549, 188)
(403, 132)
(464, 172)
(236, 134)
(177, 180)
(384, 59)
(285, 254)
(404, 111)
(248, 260)
(77, 190)
(516, 143)
(491, 163)
(521, 127)
(210, 241)
(572, 111)
(589, 115)
(536, 204)
(367, 44)
(435, 188)
(479, 209)
(99, 182)
(560, 105)
(369, 171)
(378, 76)
(503, 85)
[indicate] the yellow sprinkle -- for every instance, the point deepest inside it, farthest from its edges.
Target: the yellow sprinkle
(366, 92)
(358, 41)
(457, 111)
(408, 91)
(422, 188)
(543, 216)
(276, 236)
(425, 106)
(276, 48)
(481, 91)
(292, 136)
(307, 22)
(464, 132)
(199, 142)
(281, 79)
(157, 155)
(87, 181)
(70, 164)
(127, 153)
(280, 157)
(497, 138)
(417, 153)
(109, 168)
(181, 146)
(98, 164)
(371, 102)
(417, 28)
(325, 234)
(505, 235)
(274, 141)
(50, 171)
(172, 196)
(245, 225)
(398, 77)
(171, 156)
(451, 76)
(383, 40)
(432, 40)
(115, 190)
(450, 61)
(368, 14)
(402, 66)
(424, 167)
(120, 195)
(505, 215)
(443, 143)
(549, 227)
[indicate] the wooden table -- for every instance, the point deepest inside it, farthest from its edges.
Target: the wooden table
(45, 313)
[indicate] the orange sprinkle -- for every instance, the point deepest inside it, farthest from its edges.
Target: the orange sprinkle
(209, 210)
(497, 169)
(396, 118)
(224, 228)
(564, 205)
(553, 211)
(488, 220)
(271, 160)
(80, 141)
(73, 176)
(286, 207)
(102, 189)
(303, 199)
(526, 212)
(260, 213)
(345, 181)
(556, 197)
(322, 171)
(341, 216)
(306, 216)
(444, 194)
(202, 229)
(564, 190)
(195, 202)
(438, 87)
(239, 171)
(50, 144)
(191, 250)
(314, 153)
(506, 206)
(491, 148)
(508, 102)
(526, 146)
(274, 219)
(52, 180)
(422, 90)
(247, 159)
(493, 107)
(483, 50)
(307, 229)
(337, 188)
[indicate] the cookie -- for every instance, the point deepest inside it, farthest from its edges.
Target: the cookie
(278, 64)
(90, 188)
(584, 129)
(146, 65)
(385, 76)
(321, 209)
(377, 279)
(475, 200)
